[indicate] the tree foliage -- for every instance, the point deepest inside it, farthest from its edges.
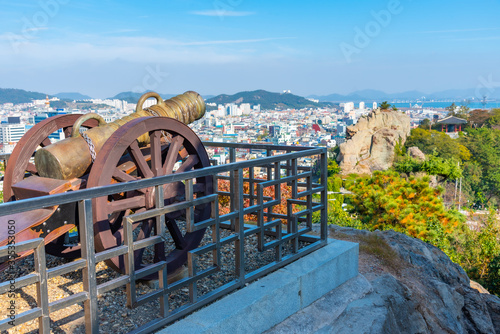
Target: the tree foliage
(433, 165)
(484, 146)
(385, 105)
(438, 143)
(386, 200)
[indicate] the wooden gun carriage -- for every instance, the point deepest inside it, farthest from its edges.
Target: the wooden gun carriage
(150, 142)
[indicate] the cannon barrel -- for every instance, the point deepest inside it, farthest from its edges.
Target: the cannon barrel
(71, 157)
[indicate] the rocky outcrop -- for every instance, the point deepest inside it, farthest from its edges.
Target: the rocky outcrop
(416, 154)
(424, 293)
(370, 143)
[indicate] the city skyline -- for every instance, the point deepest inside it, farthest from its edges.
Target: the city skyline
(226, 46)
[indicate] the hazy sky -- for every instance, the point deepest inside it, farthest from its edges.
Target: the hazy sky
(104, 47)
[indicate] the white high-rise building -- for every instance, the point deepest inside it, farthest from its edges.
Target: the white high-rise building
(221, 110)
(361, 106)
(245, 108)
(11, 132)
(375, 105)
(348, 107)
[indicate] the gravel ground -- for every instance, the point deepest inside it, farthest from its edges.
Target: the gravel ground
(113, 315)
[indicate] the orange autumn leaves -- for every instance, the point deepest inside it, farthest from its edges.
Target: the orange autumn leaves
(388, 201)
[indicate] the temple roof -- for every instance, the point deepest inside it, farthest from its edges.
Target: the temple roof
(452, 120)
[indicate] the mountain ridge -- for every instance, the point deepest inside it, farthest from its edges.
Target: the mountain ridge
(267, 100)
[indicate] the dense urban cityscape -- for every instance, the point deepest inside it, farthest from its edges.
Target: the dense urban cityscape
(242, 123)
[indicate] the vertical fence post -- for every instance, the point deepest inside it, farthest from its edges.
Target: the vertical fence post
(239, 226)
(324, 194)
(89, 272)
(42, 293)
(128, 240)
(160, 250)
(232, 196)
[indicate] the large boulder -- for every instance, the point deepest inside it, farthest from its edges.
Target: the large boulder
(370, 143)
(408, 287)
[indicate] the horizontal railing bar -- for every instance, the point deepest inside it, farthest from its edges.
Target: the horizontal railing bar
(110, 253)
(204, 224)
(259, 146)
(21, 318)
(204, 249)
(20, 282)
(74, 196)
(112, 284)
(150, 269)
(66, 268)
(171, 208)
(228, 239)
(309, 238)
(140, 244)
(302, 213)
(185, 281)
(146, 298)
(21, 246)
(68, 301)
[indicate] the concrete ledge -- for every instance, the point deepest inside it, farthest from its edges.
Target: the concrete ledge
(273, 298)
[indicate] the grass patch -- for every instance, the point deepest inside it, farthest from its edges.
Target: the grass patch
(374, 245)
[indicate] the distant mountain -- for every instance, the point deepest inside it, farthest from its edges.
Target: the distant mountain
(369, 95)
(267, 100)
(10, 95)
(133, 97)
(72, 96)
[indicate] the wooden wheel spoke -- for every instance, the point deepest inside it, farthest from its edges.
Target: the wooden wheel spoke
(120, 176)
(45, 142)
(172, 154)
(126, 203)
(139, 160)
(176, 234)
(156, 161)
(188, 164)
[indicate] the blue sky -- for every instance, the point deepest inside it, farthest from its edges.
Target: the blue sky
(104, 47)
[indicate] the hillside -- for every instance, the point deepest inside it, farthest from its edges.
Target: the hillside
(369, 95)
(72, 96)
(133, 97)
(10, 95)
(267, 100)
(404, 286)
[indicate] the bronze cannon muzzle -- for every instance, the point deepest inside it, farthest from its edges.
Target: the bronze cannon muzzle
(71, 157)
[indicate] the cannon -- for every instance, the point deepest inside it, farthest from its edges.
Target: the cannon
(150, 142)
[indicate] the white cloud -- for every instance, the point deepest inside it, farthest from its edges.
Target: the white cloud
(221, 12)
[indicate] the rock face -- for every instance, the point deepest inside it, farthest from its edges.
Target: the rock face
(415, 153)
(370, 143)
(426, 293)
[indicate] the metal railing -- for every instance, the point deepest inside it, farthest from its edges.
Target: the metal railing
(247, 195)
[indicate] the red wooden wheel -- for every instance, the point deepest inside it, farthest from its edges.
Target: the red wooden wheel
(173, 148)
(19, 166)
(19, 163)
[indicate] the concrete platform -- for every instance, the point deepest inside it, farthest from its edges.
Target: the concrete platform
(273, 298)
